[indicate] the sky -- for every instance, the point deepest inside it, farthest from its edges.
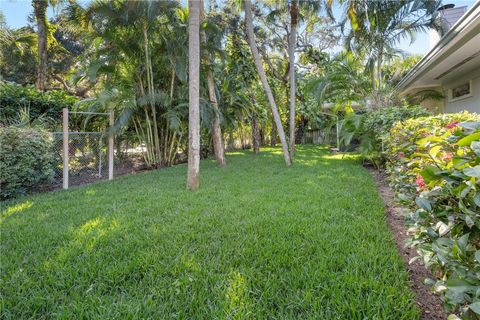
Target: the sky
(17, 11)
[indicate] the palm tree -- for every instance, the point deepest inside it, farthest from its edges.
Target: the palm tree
(379, 25)
(17, 54)
(146, 89)
(193, 175)
(263, 77)
(216, 129)
(343, 81)
(292, 42)
(40, 12)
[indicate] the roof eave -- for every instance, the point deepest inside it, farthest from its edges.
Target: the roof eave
(456, 31)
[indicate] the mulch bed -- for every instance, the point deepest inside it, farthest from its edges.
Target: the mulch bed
(429, 303)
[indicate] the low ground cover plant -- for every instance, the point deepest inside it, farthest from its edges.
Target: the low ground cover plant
(434, 165)
(26, 160)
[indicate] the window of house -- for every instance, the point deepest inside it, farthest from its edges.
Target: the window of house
(462, 91)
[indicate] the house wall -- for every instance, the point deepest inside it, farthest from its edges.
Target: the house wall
(434, 106)
(471, 103)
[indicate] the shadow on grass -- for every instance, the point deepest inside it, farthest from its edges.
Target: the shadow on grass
(258, 240)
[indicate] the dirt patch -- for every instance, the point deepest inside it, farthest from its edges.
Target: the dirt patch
(90, 174)
(429, 303)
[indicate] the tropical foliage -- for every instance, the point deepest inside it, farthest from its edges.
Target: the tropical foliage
(189, 81)
(368, 131)
(15, 99)
(434, 164)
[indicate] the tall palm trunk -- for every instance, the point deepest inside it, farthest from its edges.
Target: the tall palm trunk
(40, 12)
(292, 42)
(379, 67)
(263, 77)
(193, 173)
(216, 129)
(255, 133)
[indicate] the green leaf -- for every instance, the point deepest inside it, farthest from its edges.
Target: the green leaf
(476, 199)
(466, 141)
(476, 147)
(423, 203)
(473, 171)
(423, 142)
(477, 255)
(475, 307)
(460, 285)
(430, 173)
(463, 242)
(434, 151)
(472, 125)
(469, 221)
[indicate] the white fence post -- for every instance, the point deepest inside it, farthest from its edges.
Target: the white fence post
(65, 148)
(110, 147)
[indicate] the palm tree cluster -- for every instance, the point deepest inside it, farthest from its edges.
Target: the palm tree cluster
(185, 80)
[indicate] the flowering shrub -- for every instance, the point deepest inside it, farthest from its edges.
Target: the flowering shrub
(434, 165)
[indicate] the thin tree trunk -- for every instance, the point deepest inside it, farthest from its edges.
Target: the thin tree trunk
(255, 134)
(40, 12)
(292, 42)
(231, 141)
(172, 83)
(256, 57)
(262, 136)
(273, 136)
(148, 60)
(193, 174)
(379, 68)
(216, 129)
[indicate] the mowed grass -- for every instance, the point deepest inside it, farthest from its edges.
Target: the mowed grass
(258, 241)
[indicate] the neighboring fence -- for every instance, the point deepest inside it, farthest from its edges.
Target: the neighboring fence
(84, 157)
(87, 158)
(327, 135)
(322, 136)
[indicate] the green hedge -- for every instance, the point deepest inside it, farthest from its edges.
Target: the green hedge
(434, 165)
(380, 122)
(369, 129)
(14, 97)
(26, 160)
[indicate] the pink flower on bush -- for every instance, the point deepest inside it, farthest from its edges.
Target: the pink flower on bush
(452, 124)
(446, 156)
(420, 182)
(401, 154)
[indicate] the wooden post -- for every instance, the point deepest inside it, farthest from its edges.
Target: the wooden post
(65, 148)
(110, 147)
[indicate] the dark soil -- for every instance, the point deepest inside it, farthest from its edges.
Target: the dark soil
(429, 303)
(90, 175)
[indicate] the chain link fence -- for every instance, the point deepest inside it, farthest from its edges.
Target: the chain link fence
(88, 157)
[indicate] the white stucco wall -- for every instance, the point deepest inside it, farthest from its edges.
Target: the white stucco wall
(471, 103)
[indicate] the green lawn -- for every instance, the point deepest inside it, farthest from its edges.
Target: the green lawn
(258, 241)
